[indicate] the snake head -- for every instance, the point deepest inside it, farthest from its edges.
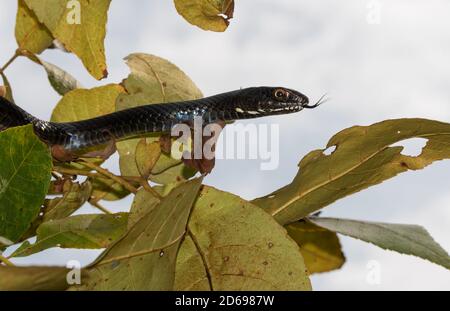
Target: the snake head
(265, 101)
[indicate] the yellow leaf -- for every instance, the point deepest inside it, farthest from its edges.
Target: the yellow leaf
(320, 247)
(33, 278)
(82, 104)
(80, 26)
(147, 154)
(31, 35)
(207, 14)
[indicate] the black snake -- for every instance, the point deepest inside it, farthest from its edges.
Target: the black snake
(235, 105)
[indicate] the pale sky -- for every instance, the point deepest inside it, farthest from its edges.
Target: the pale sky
(372, 72)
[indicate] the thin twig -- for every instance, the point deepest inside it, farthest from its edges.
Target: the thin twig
(147, 187)
(95, 204)
(110, 175)
(72, 172)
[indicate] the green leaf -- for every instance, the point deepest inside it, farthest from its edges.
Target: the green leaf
(363, 157)
(33, 278)
(82, 231)
(80, 28)
(143, 203)
(75, 195)
(207, 14)
(144, 259)
(82, 104)
(320, 247)
(153, 80)
(107, 189)
(25, 172)
(405, 239)
(234, 245)
(31, 35)
(7, 88)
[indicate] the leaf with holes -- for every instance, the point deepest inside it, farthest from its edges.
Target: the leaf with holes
(33, 278)
(80, 26)
(320, 247)
(81, 231)
(233, 245)
(212, 15)
(363, 157)
(405, 239)
(25, 171)
(144, 259)
(153, 80)
(31, 35)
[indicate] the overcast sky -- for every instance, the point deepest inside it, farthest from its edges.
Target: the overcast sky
(397, 68)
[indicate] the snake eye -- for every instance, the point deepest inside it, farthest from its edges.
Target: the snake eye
(280, 94)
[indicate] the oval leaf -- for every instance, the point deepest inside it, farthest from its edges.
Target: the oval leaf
(82, 231)
(207, 14)
(25, 172)
(405, 239)
(31, 35)
(234, 245)
(80, 26)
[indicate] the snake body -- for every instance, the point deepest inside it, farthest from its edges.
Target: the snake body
(235, 105)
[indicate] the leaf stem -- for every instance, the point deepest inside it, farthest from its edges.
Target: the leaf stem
(148, 188)
(95, 204)
(6, 261)
(16, 54)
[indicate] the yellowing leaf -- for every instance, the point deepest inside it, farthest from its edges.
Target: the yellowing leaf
(81, 231)
(31, 35)
(82, 104)
(25, 168)
(234, 245)
(144, 259)
(80, 26)
(405, 239)
(33, 278)
(320, 247)
(363, 157)
(153, 80)
(207, 14)
(147, 154)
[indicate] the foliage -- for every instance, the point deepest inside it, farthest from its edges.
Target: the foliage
(178, 233)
